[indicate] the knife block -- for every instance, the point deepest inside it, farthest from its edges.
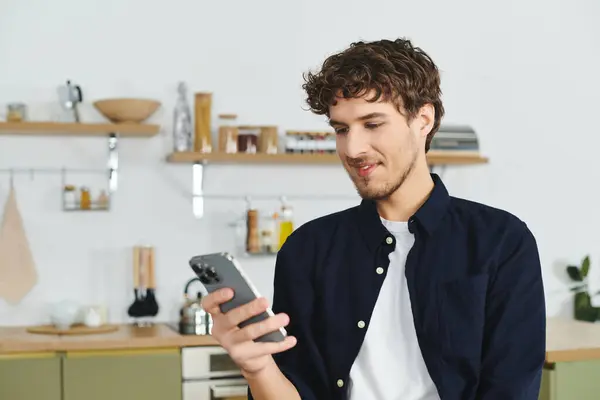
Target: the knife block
(145, 306)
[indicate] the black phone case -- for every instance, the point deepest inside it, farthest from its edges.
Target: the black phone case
(219, 270)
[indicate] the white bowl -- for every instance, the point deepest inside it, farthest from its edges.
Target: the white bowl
(64, 314)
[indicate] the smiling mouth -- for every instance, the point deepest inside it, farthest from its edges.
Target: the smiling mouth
(365, 170)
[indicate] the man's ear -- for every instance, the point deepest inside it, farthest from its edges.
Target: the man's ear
(426, 118)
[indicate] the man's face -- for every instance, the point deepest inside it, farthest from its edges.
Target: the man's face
(376, 144)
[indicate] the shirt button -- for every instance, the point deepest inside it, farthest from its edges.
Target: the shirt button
(389, 240)
(340, 383)
(379, 270)
(361, 324)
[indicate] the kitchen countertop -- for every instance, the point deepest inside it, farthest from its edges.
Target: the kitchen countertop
(566, 340)
(18, 340)
(570, 340)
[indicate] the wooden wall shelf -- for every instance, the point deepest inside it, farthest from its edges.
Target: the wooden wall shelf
(77, 129)
(434, 158)
(111, 132)
(223, 158)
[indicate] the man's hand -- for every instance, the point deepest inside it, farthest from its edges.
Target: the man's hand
(252, 357)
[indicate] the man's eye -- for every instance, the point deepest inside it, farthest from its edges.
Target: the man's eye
(372, 125)
(341, 131)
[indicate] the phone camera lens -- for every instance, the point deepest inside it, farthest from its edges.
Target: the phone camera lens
(211, 273)
(207, 274)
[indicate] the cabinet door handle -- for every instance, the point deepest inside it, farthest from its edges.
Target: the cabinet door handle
(231, 392)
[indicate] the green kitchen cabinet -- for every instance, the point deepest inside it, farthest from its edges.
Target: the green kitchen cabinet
(30, 376)
(573, 380)
(149, 374)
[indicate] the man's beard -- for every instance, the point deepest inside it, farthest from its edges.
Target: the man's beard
(384, 191)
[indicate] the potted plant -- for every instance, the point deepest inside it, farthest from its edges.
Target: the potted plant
(582, 307)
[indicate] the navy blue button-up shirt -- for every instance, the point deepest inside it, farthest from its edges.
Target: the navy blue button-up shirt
(475, 285)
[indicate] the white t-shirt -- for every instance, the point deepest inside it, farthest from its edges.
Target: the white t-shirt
(389, 365)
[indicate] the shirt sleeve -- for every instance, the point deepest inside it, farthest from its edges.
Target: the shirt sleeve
(514, 347)
(293, 294)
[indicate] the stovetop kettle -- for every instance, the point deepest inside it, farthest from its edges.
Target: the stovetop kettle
(193, 319)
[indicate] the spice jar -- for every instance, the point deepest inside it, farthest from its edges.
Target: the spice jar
(85, 200)
(269, 239)
(252, 234)
(16, 112)
(103, 200)
(69, 196)
(296, 142)
(228, 133)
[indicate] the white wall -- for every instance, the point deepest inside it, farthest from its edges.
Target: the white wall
(524, 74)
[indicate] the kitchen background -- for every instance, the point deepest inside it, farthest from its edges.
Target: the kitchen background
(525, 80)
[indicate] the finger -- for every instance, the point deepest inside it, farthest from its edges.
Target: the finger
(248, 310)
(248, 350)
(261, 328)
(212, 302)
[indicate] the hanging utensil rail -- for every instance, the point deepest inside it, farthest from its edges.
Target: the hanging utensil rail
(62, 171)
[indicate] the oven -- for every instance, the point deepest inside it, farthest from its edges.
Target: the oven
(210, 374)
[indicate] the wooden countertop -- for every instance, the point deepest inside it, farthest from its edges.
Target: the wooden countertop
(570, 340)
(18, 340)
(566, 340)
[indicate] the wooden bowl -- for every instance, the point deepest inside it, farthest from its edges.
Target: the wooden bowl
(127, 110)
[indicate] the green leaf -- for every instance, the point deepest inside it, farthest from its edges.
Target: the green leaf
(574, 273)
(585, 267)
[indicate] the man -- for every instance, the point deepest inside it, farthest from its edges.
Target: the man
(413, 294)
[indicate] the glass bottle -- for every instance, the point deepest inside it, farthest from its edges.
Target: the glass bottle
(286, 223)
(182, 121)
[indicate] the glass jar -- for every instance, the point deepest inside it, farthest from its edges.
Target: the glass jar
(69, 197)
(269, 140)
(16, 112)
(269, 233)
(252, 232)
(85, 199)
(103, 200)
(228, 133)
(248, 139)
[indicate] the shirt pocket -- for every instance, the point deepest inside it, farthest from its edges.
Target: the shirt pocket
(462, 315)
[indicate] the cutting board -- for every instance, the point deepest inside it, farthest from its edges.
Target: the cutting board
(73, 330)
(18, 274)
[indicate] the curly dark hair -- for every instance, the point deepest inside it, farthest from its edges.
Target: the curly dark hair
(395, 70)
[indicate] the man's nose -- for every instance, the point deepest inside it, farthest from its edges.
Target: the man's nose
(357, 143)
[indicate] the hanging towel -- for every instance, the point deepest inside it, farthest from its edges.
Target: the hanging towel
(18, 274)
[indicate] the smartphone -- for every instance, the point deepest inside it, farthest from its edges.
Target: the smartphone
(222, 270)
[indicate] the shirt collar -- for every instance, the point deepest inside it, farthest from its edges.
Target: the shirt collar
(428, 216)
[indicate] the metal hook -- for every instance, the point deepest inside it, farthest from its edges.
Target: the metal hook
(248, 202)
